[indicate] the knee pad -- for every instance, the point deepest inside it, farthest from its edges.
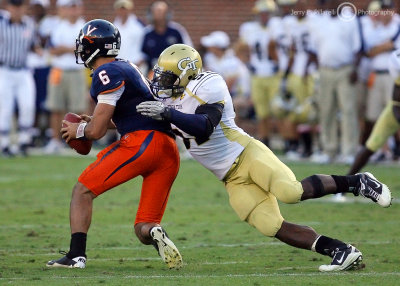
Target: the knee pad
(316, 184)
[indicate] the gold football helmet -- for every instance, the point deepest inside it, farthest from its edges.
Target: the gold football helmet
(176, 66)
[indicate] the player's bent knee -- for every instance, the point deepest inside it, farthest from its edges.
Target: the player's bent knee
(142, 231)
(80, 189)
(265, 221)
(289, 192)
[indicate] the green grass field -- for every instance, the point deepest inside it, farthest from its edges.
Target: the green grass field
(217, 248)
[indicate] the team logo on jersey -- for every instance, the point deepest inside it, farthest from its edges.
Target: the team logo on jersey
(90, 30)
(189, 65)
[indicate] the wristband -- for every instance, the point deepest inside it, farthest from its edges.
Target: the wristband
(80, 132)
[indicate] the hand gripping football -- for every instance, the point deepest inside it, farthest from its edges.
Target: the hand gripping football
(82, 145)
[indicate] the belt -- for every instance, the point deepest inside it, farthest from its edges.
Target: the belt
(381, 71)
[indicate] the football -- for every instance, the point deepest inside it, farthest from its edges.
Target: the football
(82, 146)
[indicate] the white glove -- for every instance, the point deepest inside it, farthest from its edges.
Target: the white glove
(152, 109)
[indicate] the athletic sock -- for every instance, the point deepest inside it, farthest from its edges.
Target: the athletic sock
(306, 138)
(346, 184)
(327, 246)
(78, 245)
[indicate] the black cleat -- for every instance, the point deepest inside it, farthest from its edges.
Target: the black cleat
(65, 262)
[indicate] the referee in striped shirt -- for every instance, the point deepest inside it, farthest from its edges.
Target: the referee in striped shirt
(17, 36)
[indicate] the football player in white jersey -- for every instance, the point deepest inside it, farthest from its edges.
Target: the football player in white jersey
(261, 36)
(388, 122)
(199, 106)
(300, 82)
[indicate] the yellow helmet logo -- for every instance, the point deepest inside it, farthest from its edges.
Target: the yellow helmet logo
(189, 65)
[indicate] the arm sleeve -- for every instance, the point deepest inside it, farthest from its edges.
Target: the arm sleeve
(201, 124)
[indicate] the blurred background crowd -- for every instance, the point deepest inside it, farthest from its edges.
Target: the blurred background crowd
(307, 78)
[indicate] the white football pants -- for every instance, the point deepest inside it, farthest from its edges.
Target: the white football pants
(16, 86)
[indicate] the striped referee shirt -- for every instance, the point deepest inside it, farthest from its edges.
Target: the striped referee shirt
(16, 39)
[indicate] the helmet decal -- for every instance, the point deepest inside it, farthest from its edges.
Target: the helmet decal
(189, 65)
(89, 31)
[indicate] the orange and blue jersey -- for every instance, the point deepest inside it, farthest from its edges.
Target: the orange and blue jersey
(147, 147)
(112, 76)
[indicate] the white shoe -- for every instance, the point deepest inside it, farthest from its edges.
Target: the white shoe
(344, 259)
(380, 156)
(371, 188)
(345, 159)
(166, 248)
(53, 147)
(320, 158)
(339, 198)
(293, 156)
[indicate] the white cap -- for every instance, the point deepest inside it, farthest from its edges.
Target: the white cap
(63, 3)
(264, 6)
(127, 4)
(44, 3)
(374, 6)
(217, 39)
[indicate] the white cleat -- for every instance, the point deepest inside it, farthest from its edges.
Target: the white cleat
(166, 248)
(372, 189)
(348, 258)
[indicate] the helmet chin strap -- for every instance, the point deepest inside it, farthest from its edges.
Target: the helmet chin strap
(183, 73)
(91, 57)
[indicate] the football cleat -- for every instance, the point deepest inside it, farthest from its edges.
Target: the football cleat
(348, 258)
(371, 188)
(65, 262)
(166, 248)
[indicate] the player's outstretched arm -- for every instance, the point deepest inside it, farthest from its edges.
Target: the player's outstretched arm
(200, 125)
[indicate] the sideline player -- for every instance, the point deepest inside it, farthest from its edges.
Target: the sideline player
(200, 106)
(388, 122)
(146, 148)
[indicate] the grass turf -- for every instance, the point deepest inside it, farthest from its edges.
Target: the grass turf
(217, 248)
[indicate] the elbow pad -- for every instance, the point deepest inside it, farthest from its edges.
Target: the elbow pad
(213, 112)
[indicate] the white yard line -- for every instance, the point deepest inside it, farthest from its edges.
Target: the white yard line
(361, 274)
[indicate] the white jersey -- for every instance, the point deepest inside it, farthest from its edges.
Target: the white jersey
(300, 34)
(64, 34)
(335, 41)
(394, 66)
(282, 28)
(227, 141)
(132, 32)
(377, 34)
(258, 37)
(229, 66)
